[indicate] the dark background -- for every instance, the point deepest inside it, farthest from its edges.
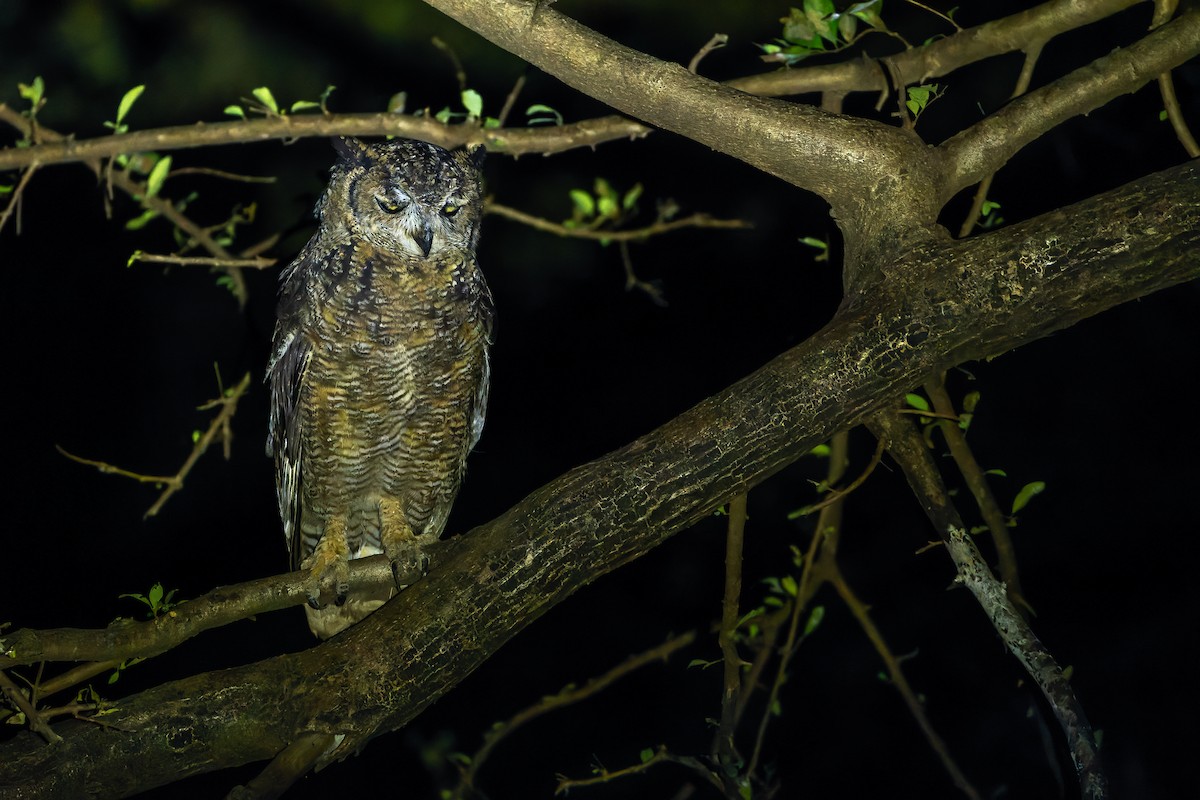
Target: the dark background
(110, 362)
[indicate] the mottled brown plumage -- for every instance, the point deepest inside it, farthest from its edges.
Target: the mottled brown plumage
(379, 375)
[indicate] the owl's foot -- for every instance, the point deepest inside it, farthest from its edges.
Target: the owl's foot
(327, 565)
(401, 545)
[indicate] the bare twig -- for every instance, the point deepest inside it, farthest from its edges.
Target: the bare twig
(724, 748)
(1166, 87)
(661, 756)
(565, 698)
(173, 483)
(14, 199)
(840, 494)
(977, 482)
(511, 100)
(634, 235)
(632, 281)
(460, 74)
(204, 261)
(17, 697)
(717, 41)
(1031, 56)
(907, 448)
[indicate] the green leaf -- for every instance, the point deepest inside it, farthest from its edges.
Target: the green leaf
(303, 105)
(472, 102)
(263, 95)
(917, 402)
(127, 102)
(998, 472)
(157, 175)
(156, 595)
(443, 116)
(323, 100)
(608, 206)
(814, 619)
(6, 188)
(821, 450)
(235, 111)
(1027, 493)
(988, 207)
(33, 92)
(139, 222)
(195, 436)
(631, 197)
(647, 754)
(869, 13)
(789, 585)
(814, 242)
(397, 102)
(538, 108)
(1162, 115)
(584, 204)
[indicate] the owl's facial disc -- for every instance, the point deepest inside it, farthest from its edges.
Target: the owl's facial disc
(405, 222)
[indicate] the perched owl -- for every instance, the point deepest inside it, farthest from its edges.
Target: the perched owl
(379, 376)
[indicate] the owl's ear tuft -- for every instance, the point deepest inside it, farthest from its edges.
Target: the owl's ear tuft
(349, 149)
(476, 153)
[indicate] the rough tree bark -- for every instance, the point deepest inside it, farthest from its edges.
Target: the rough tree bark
(917, 303)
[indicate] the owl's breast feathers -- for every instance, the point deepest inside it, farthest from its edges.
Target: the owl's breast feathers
(391, 384)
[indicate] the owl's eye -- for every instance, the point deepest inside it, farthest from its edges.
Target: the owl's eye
(450, 209)
(390, 206)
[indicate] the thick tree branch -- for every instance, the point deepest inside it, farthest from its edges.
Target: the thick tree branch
(844, 159)
(986, 146)
(1016, 32)
(973, 298)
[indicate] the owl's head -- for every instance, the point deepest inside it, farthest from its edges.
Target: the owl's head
(407, 196)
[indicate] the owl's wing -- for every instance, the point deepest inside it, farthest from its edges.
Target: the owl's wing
(487, 313)
(289, 362)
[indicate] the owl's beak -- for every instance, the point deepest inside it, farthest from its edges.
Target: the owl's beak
(424, 238)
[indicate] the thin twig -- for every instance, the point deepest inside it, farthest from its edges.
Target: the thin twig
(205, 261)
(460, 74)
(565, 698)
(635, 235)
(173, 483)
(724, 748)
(220, 173)
(1166, 87)
(632, 281)
(511, 100)
(15, 199)
(980, 490)
(15, 696)
(935, 12)
(1032, 52)
(661, 756)
(717, 41)
(840, 494)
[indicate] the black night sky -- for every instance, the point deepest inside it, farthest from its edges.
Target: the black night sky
(110, 362)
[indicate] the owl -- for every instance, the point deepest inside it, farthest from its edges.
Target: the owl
(379, 372)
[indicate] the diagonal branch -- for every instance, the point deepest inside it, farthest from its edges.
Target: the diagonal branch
(990, 143)
(979, 297)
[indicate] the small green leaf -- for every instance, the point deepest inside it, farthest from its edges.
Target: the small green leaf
(6, 188)
(127, 102)
(1027, 493)
(607, 206)
(814, 242)
(584, 204)
(491, 122)
(156, 595)
(814, 619)
(472, 102)
(647, 754)
(631, 197)
(397, 102)
(323, 100)
(988, 207)
(789, 585)
(1162, 115)
(139, 222)
(134, 256)
(917, 402)
(869, 13)
(195, 436)
(235, 111)
(997, 472)
(443, 116)
(33, 92)
(263, 95)
(157, 175)
(303, 105)
(821, 451)
(538, 108)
